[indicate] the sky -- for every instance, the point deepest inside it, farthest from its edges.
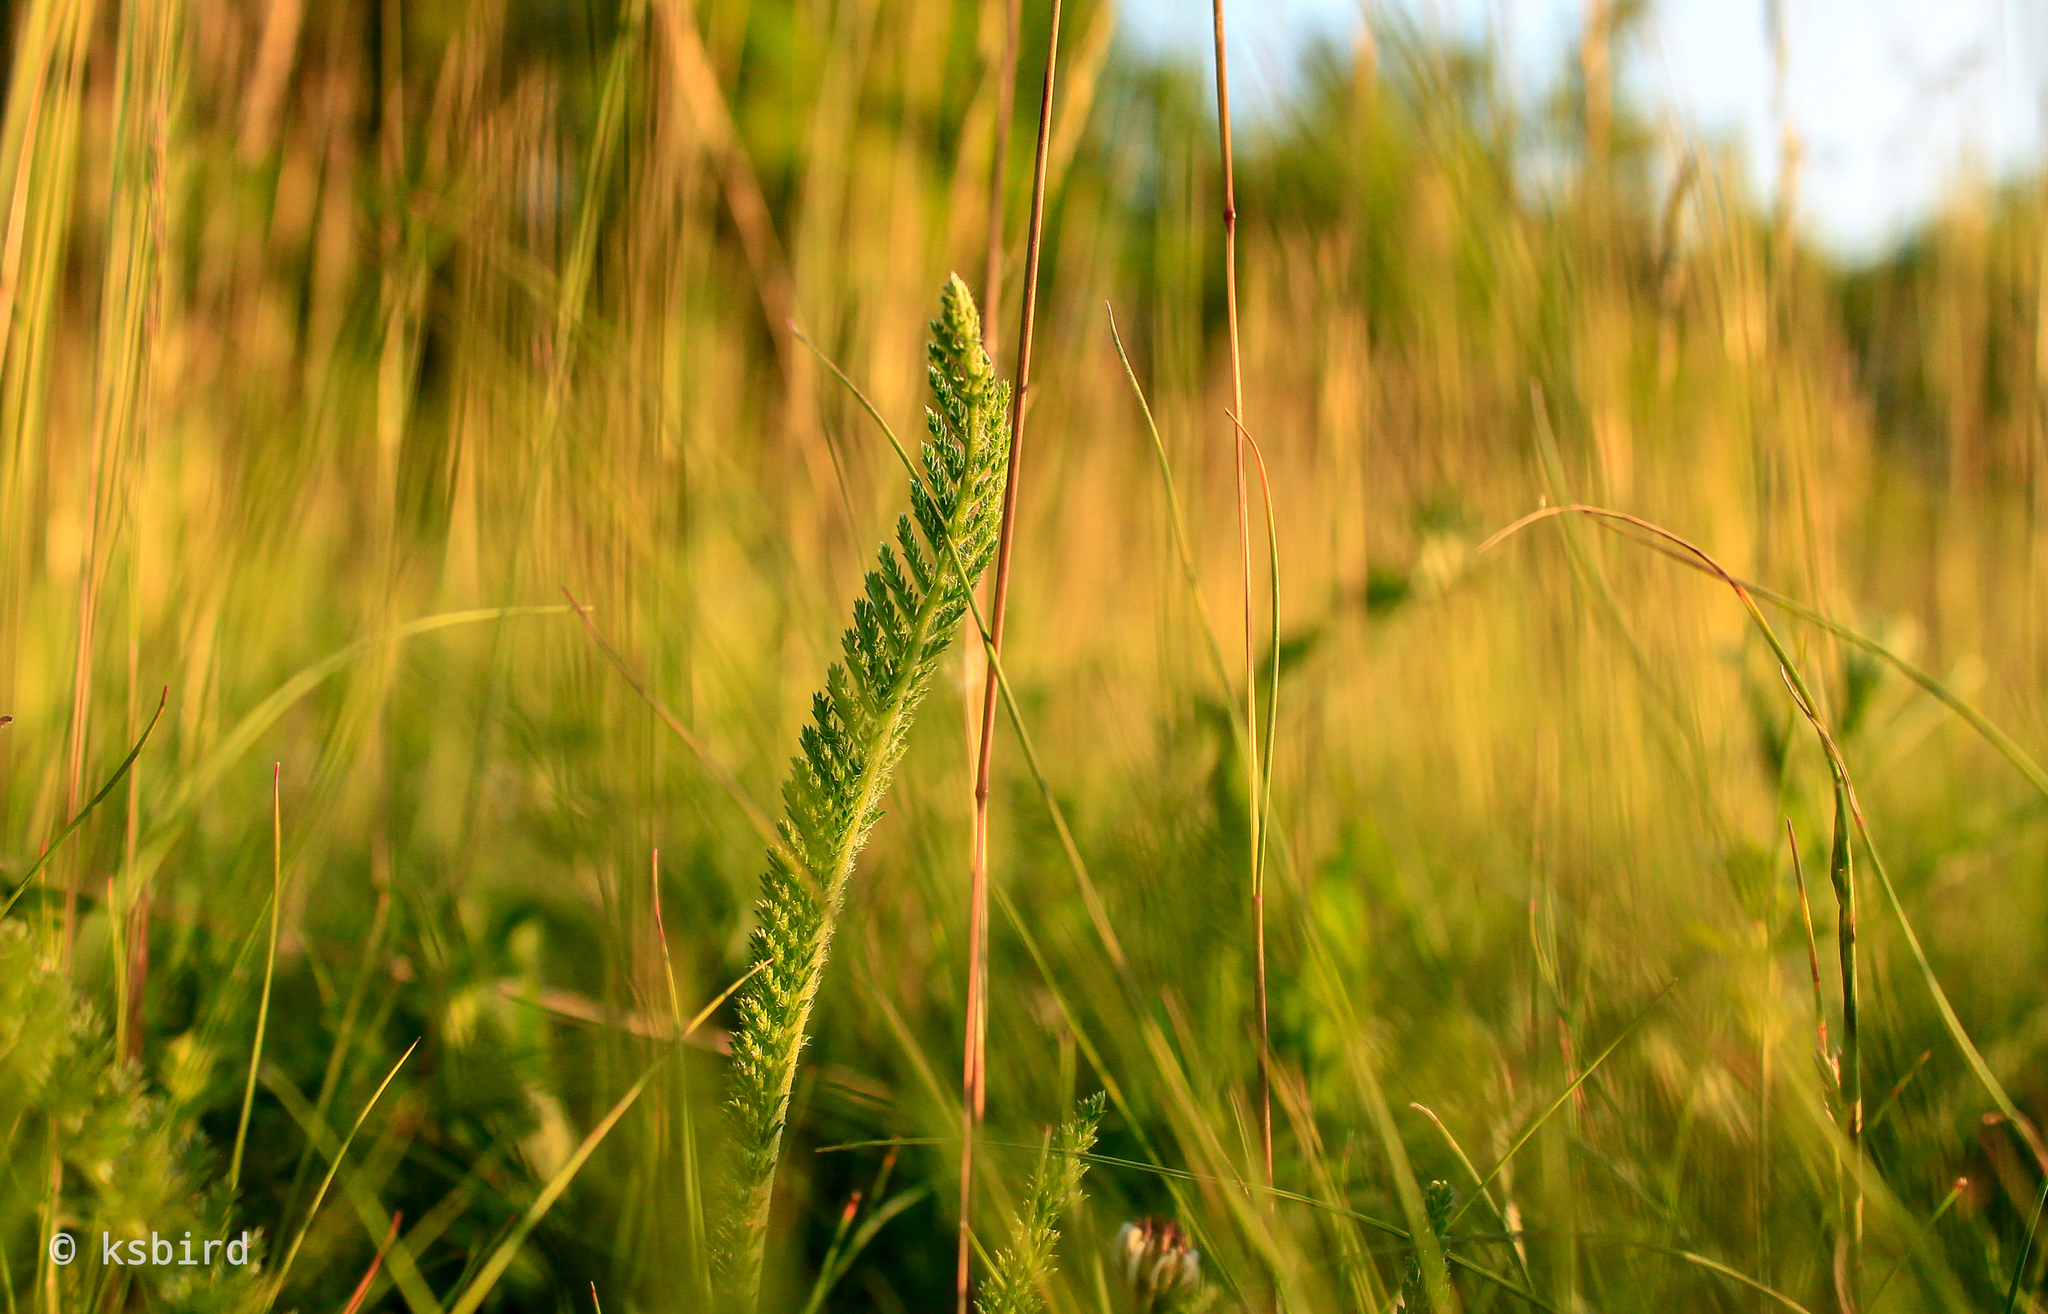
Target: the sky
(1895, 101)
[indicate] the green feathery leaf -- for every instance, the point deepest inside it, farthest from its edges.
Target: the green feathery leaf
(1021, 1270)
(912, 605)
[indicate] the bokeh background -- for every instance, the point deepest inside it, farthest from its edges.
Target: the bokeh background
(323, 320)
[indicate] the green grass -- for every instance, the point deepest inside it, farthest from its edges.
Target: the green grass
(340, 339)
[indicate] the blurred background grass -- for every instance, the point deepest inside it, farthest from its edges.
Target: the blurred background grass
(322, 318)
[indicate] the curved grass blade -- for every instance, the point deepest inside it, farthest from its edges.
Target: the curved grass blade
(2019, 1268)
(1802, 697)
(1955, 1194)
(1557, 1104)
(719, 772)
(86, 811)
(276, 1285)
(230, 747)
(269, 975)
(1499, 1214)
(1180, 533)
(508, 1249)
(1744, 1278)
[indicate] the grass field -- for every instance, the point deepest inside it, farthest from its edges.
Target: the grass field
(342, 344)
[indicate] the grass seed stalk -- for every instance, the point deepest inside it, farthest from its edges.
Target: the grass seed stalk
(974, 1061)
(1255, 787)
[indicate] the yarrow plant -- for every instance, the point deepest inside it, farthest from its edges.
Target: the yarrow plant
(913, 602)
(1437, 1201)
(1013, 1287)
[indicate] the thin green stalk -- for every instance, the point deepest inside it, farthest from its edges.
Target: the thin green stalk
(344, 1036)
(1841, 870)
(1812, 947)
(2019, 1268)
(1803, 700)
(1898, 1089)
(719, 772)
(1180, 535)
(86, 811)
(1255, 781)
(269, 974)
(501, 1259)
(1536, 1123)
(1715, 1265)
(693, 1196)
(277, 1280)
(1264, 790)
(1955, 1194)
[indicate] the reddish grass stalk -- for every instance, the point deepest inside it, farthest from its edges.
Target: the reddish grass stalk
(973, 1067)
(355, 1302)
(1254, 788)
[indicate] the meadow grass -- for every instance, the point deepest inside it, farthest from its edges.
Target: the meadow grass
(337, 340)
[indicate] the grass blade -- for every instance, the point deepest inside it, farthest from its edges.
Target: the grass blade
(362, 1291)
(2019, 1268)
(1701, 560)
(269, 974)
(1557, 1104)
(276, 1285)
(86, 811)
(508, 1249)
(1744, 1278)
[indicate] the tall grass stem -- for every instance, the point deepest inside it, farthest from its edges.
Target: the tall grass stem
(1254, 805)
(974, 1061)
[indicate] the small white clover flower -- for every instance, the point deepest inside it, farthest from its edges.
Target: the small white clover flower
(1156, 1260)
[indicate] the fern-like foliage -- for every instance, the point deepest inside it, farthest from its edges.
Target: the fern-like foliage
(1437, 1199)
(1020, 1272)
(912, 604)
(130, 1162)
